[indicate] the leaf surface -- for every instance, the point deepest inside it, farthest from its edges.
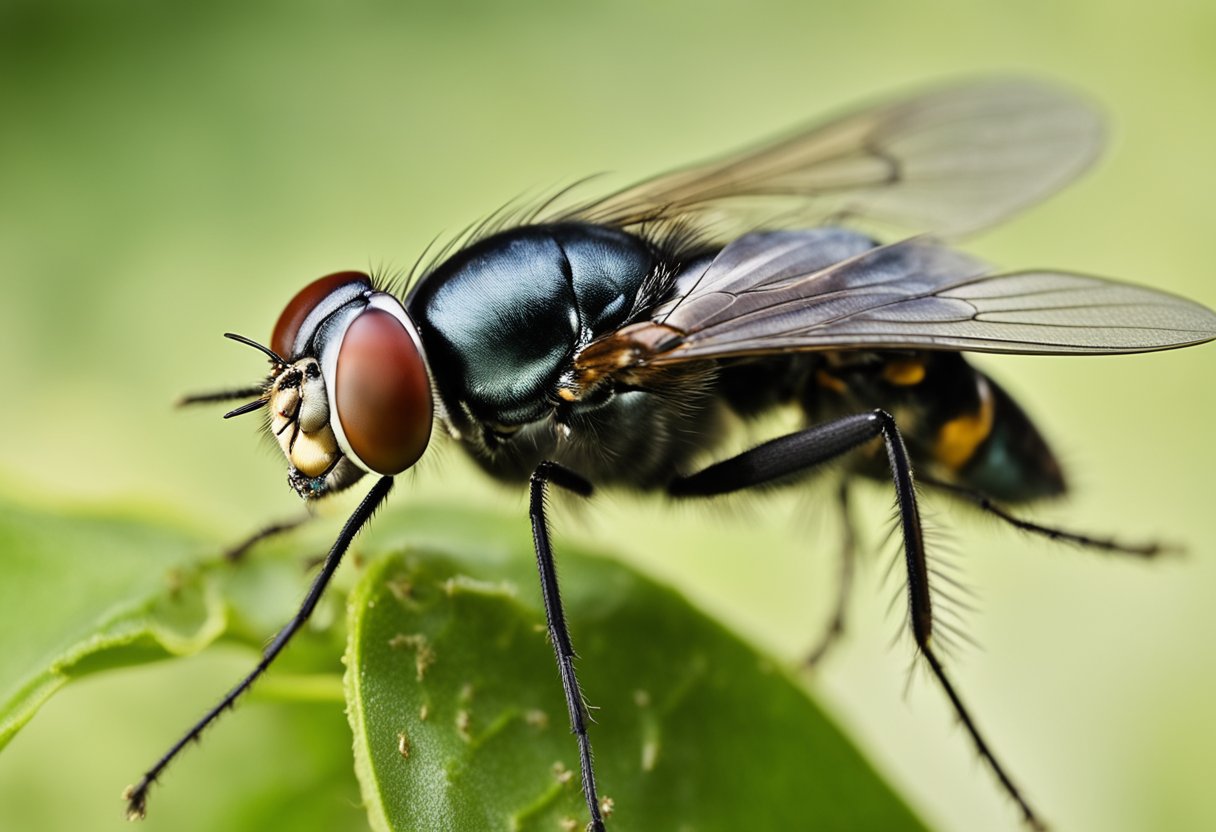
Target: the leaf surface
(460, 723)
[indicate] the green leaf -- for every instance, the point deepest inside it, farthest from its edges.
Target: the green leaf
(85, 592)
(448, 661)
(460, 723)
(268, 765)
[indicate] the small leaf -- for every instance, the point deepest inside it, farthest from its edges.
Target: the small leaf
(82, 593)
(460, 722)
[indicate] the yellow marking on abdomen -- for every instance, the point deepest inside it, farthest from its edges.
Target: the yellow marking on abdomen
(831, 382)
(958, 439)
(905, 372)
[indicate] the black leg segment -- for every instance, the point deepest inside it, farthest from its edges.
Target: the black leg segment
(559, 634)
(237, 551)
(990, 506)
(798, 452)
(137, 795)
(781, 457)
(848, 564)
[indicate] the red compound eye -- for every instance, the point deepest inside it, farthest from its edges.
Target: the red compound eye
(288, 327)
(382, 393)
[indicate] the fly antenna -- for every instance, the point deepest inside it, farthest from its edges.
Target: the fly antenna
(248, 407)
(267, 351)
(216, 396)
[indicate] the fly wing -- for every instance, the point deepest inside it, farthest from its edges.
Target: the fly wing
(771, 292)
(949, 161)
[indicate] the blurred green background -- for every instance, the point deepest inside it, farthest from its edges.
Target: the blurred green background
(171, 172)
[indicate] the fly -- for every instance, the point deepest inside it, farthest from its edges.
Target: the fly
(602, 343)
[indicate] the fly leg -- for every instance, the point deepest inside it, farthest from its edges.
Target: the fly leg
(848, 563)
(137, 795)
(559, 634)
(804, 450)
(989, 506)
(237, 551)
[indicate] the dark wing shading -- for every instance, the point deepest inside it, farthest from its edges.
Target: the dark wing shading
(949, 161)
(761, 296)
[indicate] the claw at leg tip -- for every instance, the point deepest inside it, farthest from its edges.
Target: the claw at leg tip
(136, 808)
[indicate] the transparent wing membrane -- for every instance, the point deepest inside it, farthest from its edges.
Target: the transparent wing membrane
(949, 161)
(755, 297)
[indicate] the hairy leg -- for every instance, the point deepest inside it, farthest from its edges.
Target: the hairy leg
(788, 455)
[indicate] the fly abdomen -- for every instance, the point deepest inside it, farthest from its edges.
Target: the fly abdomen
(999, 451)
(959, 424)
(973, 432)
